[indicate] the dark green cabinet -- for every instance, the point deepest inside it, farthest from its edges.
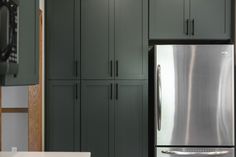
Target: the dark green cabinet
(167, 19)
(131, 38)
(96, 53)
(113, 59)
(63, 34)
(211, 19)
(114, 39)
(97, 107)
(63, 116)
(190, 19)
(114, 118)
(130, 104)
(28, 70)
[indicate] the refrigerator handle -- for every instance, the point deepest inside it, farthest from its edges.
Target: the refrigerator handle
(158, 97)
(195, 153)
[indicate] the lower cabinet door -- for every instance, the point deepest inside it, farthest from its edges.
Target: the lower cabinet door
(97, 109)
(130, 118)
(62, 116)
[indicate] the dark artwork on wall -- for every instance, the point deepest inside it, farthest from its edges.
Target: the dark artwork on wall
(9, 36)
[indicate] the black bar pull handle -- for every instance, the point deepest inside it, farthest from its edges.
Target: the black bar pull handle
(117, 68)
(193, 27)
(111, 92)
(76, 68)
(187, 26)
(76, 91)
(117, 90)
(111, 68)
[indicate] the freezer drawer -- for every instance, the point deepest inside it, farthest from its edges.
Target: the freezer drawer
(194, 151)
(194, 95)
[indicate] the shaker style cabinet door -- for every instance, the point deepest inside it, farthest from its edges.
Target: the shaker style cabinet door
(96, 39)
(62, 105)
(168, 19)
(210, 19)
(28, 70)
(96, 118)
(131, 38)
(61, 54)
(190, 19)
(130, 118)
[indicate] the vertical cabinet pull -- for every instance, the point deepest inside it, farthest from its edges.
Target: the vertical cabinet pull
(187, 26)
(193, 31)
(76, 91)
(76, 68)
(117, 68)
(117, 91)
(111, 93)
(111, 68)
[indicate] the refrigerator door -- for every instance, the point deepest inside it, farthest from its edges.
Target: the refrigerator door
(194, 95)
(197, 152)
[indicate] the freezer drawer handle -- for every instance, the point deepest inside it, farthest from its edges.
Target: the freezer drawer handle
(195, 153)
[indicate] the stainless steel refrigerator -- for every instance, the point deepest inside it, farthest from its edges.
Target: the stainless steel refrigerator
(194, 100)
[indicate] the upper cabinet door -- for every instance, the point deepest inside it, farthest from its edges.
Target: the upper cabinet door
(168, 19)
(97, 41)
(131, 38)
(28, 71)
(210, 19)
(62, 62)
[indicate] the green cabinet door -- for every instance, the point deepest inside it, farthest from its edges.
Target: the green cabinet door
(131, 119)
(211, 19)
(28, 72)
(61, 123)
(131, 38)
(97, 39)
(97, 108)
(168, 19)
(62, 57)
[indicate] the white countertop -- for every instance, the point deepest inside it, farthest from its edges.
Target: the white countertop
(45, 154)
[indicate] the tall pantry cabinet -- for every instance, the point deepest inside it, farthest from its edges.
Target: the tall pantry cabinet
(102, 68)
(62, 75)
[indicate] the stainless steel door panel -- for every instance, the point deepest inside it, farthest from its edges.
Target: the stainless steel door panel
(195, 104)
(196, 152)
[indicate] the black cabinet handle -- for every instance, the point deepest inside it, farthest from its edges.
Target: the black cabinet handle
(76, 91)
(117, 68)
(111, 91)
(111, 68)
(187, 26)
(117, 91)
(193, 23)
(76, 68)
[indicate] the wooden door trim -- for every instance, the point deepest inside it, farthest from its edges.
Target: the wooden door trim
(14, 110)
